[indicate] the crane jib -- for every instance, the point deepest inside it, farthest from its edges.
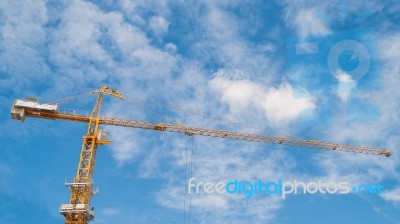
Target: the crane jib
(39, 112)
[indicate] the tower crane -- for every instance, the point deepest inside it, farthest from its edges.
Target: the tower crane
(78, 210)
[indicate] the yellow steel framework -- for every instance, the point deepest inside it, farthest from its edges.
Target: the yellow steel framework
(82, 190)
(82, 187)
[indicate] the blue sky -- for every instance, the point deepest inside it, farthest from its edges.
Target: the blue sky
(266, 64)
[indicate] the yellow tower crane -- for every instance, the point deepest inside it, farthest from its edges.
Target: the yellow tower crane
(78, 210)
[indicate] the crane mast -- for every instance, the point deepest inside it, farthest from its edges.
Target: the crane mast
(78, 211)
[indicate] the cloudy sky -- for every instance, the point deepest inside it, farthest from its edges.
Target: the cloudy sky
(326, 70)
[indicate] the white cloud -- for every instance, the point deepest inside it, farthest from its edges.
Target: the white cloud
(239, 94)
(220, 40)
(90, 45)
(159, 25)
(125, 144)
(308, 17)
(127, 38)
(279, 104)
(23, 38)
(75, 48)
(388, 47)
(313, 17)
(345, 85)
(110, 211)
(342, 76)
(391, 196)
(308, 23)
